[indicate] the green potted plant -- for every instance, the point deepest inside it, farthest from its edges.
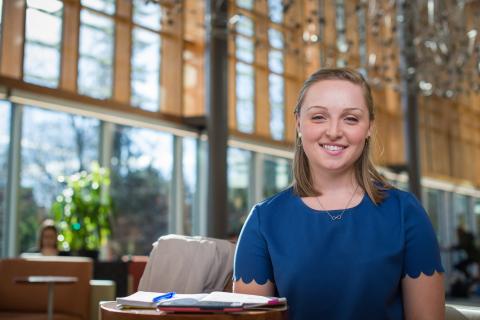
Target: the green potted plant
(83, 211)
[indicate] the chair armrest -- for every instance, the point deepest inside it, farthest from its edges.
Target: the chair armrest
(101, 290)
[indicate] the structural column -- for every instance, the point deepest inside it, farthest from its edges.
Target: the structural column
(406, 21)
(216, 98)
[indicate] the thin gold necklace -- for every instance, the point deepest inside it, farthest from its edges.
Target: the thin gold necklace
(338, 216)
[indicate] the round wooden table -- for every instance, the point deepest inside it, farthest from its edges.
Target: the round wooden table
(110, 311)
(51, 281)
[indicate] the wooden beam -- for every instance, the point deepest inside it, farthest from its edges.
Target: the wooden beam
(102, 105)
(262, 101)
(330, 35)
(193, 102)
(123, 52)
(71, 31)
(294, 66)
(310, 49)
(172, 62)
(13, 31)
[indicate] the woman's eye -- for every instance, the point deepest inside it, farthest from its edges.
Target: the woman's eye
(318, 117)
(351, 119)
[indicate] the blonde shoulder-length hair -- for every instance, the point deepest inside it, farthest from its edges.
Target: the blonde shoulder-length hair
(365, 173)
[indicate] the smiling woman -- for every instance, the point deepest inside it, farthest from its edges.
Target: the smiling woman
(340, 236)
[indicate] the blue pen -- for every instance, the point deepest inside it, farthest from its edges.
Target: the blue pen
(165, 296)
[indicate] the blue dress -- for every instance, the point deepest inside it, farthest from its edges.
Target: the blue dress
(338, 269)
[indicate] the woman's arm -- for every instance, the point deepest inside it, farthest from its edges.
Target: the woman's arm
(424, 297)
(267, 289)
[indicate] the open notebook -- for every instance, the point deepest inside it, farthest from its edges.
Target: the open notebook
(216, 301)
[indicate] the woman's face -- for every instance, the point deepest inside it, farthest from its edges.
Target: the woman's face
(49, 238)
(334, 123)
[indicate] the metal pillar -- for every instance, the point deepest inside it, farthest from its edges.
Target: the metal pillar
(217, 125)
(406, 22)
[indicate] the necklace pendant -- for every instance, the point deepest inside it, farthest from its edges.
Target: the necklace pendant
(337, 217)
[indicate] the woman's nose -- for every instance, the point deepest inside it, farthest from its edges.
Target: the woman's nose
(334, 130)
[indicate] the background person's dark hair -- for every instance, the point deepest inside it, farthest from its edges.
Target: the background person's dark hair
(366, 174)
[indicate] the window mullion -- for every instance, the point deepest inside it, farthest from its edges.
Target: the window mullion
(13, 181)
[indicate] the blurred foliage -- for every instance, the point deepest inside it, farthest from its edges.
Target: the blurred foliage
(83, 210)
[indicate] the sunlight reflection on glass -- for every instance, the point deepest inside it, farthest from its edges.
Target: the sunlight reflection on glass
(245, 88)
(238, 173)
(147, 14)
(50, 6)
(107, 6)
(45, 155)
(96, 55)
(189, 167)
(145, 69)
(277, 111)
(142, 165)
(277, 175)
(43, 37)
(4, 144)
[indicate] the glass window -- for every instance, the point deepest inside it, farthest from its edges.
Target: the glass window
(245, 92)
(275, 61)
(189, 164)
(275, 38)
(244, 49)
(245, 26)
(46, 155)
(96, 55)
(246, 4)
(147, 14)
(433, 207)
(43, 38)
(476, 212)
(145, 69)
(277, 175)
(402, 185)
(4, 144)
(1, 19)
(460, 211)
(275, 10)
(105, 6)
(141, 172)
(245, 75)
(362, 37)
(342, 45)
(276, 98)
(238, 173)
(276, 83)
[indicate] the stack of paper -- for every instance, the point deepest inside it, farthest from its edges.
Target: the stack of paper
(145, 299)
(246, 299)
(214, 302)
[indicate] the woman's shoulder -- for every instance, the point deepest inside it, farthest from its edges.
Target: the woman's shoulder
(405, 201)
(393, 193)
(278, 199)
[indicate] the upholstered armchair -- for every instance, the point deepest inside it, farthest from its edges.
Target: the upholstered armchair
(188, 265)
(71, 300)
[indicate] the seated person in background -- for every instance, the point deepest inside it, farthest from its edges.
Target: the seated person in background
(466, 244)
(48, 239)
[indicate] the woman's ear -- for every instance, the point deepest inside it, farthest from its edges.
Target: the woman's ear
(297, 122)
(371, 128)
